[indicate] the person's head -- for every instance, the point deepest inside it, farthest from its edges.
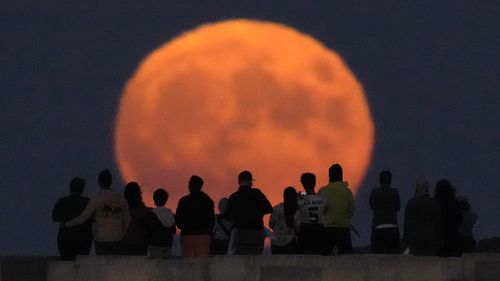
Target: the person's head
(105, 179)
(335, 173)
(421, 186)
(290, 205)
(160, 196)
(308, 181)
(223, 205)
(463, 203)
(245, 178)
(76, 186)
(195, 184)
(444, 190)
(385, 178)
(133, 195)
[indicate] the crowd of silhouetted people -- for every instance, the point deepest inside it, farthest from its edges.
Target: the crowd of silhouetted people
(306, 222)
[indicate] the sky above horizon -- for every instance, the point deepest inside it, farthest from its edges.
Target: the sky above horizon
(430, 73)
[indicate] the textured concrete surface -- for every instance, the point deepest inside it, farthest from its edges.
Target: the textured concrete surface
(480, 267)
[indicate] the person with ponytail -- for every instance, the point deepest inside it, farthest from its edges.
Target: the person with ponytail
(285, 221)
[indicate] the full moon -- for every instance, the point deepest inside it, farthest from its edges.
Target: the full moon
(241, 95)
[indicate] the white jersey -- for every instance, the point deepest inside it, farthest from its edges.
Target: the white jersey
(312, 208)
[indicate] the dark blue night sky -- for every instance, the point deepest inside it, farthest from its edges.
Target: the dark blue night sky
(430, 71)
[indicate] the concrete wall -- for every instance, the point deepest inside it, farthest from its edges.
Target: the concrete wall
(480, 267)
(275, 268)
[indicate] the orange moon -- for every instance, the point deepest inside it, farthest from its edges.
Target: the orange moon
(241, 94)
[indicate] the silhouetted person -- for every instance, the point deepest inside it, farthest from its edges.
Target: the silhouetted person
(76, 240)
(161, 227)
(246, 208)
(222, 230)
(135, 240)
(451, 214)
(312, 207)
(111, 217)
(423, 229)
(337, 224)
(285, 222)
(385, 203)
(469, 218)
(195, 218)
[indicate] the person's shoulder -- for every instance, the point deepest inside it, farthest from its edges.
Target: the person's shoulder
(257, 191)
(184, 198)
(208, 199)
(322, 189)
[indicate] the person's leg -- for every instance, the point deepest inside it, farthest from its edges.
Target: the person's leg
(202, 245)
(64, 247)
(291, 248)
(392, 241)
(328, 240)
(377, 237)
(342, 240)
(187, 246)
(101, 248)
(278, 250)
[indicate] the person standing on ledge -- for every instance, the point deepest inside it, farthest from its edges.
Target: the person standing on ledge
(385, 204)
(76, 240)
(135, 241)
(195, 218)
(423, 225)
(162, 227)
(337, 224)
(285, 223)
(313, 209)
(246, 208)
(111, 217)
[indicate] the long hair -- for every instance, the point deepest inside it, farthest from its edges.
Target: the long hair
(133, 195)
(290, 205)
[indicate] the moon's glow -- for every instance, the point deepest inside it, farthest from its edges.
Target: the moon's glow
(236, 95)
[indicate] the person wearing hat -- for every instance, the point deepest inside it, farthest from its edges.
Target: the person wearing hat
(246, 209)
(423, 226)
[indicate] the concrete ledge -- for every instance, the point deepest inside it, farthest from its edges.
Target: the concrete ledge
(480, 267)
(274, 268)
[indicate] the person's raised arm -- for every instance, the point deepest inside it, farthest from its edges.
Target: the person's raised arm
(84, 216)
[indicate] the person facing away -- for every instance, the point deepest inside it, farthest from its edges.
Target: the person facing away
(222, 230)
(195, 218)
(337, 224)
(451, 215)
(385, 204)
(75, 240)
(246, 209)
(285, 222)
(312, 207)
(423, 226)
(111, 217)
(135, 240)
(469, 218)
(161, 227)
